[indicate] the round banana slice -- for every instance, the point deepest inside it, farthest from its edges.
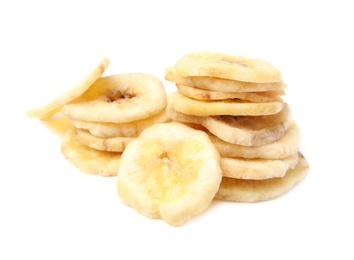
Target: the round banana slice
(203, 94)
(242, 130)
(287, 145)
(257, 169)
(239, 190)
(89, 160)
(221, 85)
(54, 106)
(170, 172)
(219, 65)
(130, 129)
(119, 98)
(110, 144)
(232, 107)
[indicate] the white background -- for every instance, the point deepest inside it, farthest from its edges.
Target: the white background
(50, 210)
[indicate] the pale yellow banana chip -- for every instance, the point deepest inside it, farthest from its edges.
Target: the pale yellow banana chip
(89, 160)
(219, 65)
(285, 146)
(232, 107)
(110, 144)
(257, 169)
(203, 94)
(242, 130)
(130, 129)
(170, 172)
(54, 106)
(119, 98)
(238, 190)
(221, 85)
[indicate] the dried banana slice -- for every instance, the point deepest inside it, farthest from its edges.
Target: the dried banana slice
(232, 107)
(119, 98)
(257, 169)
(170, 172)
(287, 145)
(130, 129)
(110, 144)
(221, 85)
(203, 94)
(242, 130)
(54, 106)
(238, 190)
(89, 160)
(220, 65)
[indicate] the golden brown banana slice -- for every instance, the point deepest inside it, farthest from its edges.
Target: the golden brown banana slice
(285, 146)
(110, 144)
(232, 107)
(221, 85)
(54, 106)
(238, 190)
(257, 169)
(242, 130)
(203, 94)
(130, 129)
(220, 65)
(89, 160)
(119, 98)
(170, 172)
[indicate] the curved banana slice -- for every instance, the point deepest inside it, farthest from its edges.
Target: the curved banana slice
(221, 85)
(119, 98)
(170, 172)
(285, 146)
(257, 169)
(130, 129)
(110, 144)
(219, 65)
(261, 190)
(89, 160)
(242, 130)
(54, 106)
(183, 104)
(203, 94)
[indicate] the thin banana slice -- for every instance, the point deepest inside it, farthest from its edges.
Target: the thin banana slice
(54, 106)
(238, 190)
(219, 65)
(111, 144)
(287, 145)
(89, 160)
(119, 98)
(242, 130)
(130, 129)
(203, 94)
(170, 172)
(232, 107)
(221, 85)
(257, 169)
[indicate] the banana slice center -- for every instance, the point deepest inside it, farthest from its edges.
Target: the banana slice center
(117, 96)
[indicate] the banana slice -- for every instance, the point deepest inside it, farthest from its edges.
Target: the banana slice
(203, 94)
(261, 190)
(287, 145)
(257, 169)
(89, 160)
(130, 129)
(170, 172)
(111, 144)
(219, 65)
(232, 107)
(221, 85)
(54, 106)
(242, 130)
(119, 98)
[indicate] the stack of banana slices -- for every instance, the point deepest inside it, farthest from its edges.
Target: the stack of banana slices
(237, 101)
